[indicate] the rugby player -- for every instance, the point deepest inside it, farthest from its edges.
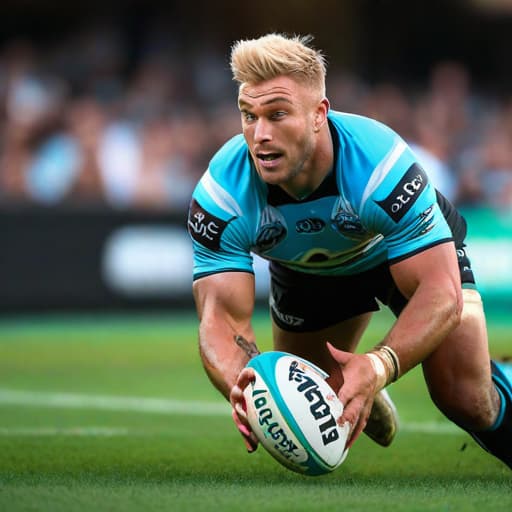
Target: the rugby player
(340, 207)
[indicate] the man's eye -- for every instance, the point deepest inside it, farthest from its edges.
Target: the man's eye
(278, 114)
(248, 116)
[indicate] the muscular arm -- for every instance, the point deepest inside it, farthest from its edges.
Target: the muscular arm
(225, 303)
(431, 281)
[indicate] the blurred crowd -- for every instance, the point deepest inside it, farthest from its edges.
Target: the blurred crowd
(90, 121)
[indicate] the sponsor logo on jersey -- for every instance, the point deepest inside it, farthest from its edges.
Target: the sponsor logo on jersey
(405, 194)
(310, 225)
(204, 227)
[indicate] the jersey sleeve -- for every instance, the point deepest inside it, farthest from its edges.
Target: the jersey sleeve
(400, 203)
(219, 219)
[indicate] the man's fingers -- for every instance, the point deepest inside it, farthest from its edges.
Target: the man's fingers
(242, 413)
(355, 433)
(239, 411)
(250, 440)
(236, 396)
(339, 356)
(245, 377)
(356, 413)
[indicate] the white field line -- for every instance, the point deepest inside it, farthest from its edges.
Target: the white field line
(68, 431)
(430, 427)
(143, 405)
(112, 403)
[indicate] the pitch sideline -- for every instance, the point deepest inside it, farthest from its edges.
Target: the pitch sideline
(143, 405)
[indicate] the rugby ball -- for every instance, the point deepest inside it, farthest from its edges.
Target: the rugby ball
(293, 412)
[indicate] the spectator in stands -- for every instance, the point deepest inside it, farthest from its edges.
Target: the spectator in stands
(433, 145)
(86, 121)
(36, 160)
(80, 124)
(387, 103)
(164, 178)
(486, 168)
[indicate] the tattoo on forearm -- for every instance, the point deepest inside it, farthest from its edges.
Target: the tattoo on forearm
(249, 347)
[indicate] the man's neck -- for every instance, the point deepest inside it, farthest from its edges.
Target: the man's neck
(321, 164)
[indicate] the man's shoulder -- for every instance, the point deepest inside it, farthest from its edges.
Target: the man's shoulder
(230, 167)
(364, 142)
(229, 187)
(359, 125)
(233, 152)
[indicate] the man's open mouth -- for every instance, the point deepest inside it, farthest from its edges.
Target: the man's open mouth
(268, 157)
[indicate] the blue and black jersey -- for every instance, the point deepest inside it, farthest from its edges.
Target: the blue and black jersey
(375, 205)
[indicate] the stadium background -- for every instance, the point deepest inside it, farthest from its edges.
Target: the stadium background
(109, 112)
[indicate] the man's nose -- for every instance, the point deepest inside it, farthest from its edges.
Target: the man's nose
(262, 131)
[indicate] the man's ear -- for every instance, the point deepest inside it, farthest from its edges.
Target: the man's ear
(321, 114)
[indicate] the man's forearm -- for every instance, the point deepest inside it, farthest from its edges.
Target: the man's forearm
(223, 360)
(427, 319)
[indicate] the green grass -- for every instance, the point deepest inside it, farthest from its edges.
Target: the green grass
(91, 459)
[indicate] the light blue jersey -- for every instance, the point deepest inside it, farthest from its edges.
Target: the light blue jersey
(376, 205)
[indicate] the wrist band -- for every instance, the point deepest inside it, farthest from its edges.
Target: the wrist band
(380, 370)
(386, 364)
(391, 356)
(396, 362)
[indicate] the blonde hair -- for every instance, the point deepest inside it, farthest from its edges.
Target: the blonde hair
(273, 55)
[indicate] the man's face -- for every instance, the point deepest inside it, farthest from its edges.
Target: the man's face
(278, 122)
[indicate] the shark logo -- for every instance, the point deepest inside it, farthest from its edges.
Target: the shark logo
(345, 221)
(271, 231)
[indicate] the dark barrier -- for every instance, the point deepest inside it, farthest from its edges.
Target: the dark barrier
(93, 259)
(81, 259)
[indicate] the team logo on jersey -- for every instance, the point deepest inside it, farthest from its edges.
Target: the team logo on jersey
(270, 235)
(405, 194)
(204, 227)
(347, 223)
(271, 231)
(311, 225)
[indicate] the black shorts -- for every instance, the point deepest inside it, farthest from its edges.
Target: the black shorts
(301, 302)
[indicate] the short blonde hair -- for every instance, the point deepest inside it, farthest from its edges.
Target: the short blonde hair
(273, 55)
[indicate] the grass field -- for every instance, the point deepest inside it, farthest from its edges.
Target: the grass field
(114, 413)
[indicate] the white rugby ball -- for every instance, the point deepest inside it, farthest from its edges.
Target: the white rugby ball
(293, 412)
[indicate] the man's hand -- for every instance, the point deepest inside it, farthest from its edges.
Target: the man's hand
(357, 391)
(239, 412)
